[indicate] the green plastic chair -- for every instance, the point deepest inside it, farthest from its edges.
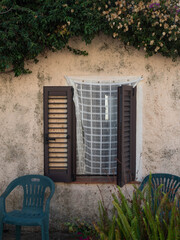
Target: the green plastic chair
(171, 183)
(35, 209)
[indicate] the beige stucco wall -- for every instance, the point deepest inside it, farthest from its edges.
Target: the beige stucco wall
(21, 117)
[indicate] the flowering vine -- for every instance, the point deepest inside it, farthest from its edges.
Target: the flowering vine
(27, 28)
(155, 27)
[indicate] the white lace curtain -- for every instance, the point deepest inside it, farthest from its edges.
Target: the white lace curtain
(96, 114)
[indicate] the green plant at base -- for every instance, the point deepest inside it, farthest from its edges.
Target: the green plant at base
(84, 230)
(147, 216)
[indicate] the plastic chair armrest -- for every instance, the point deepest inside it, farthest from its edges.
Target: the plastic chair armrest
(47, 206)
(10, 188)
(4, 195)
(2, 206)
(49, 199)
(48, 202)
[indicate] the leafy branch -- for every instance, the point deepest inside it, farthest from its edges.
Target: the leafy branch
(6, 11)
(30, 27)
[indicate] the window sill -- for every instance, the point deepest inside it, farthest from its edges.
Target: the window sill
(96, 180)
(100, 180)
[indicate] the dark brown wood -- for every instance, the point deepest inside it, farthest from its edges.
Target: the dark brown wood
(59, 139)
(126, 156)
(96, 179)
(74, 145)
(133, 146)
(126, 152)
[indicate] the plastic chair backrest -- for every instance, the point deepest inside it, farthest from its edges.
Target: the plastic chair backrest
(34, 187)
(171, 183)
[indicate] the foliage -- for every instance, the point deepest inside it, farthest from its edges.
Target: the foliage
(144, 217)
(83, 230)
(151, 25)
(28, 28)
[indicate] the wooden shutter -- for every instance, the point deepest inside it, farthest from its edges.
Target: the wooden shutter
(126, 154)
(59, 134)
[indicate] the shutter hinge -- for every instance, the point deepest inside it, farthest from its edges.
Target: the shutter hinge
(47, 138)
(72, 91)
(134, 91)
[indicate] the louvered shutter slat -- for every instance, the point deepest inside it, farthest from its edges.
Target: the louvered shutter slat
(126, 135)
(59, 133)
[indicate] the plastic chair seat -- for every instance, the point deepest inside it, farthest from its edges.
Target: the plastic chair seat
(24, 218)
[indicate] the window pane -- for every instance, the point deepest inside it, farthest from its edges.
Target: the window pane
(98, 113)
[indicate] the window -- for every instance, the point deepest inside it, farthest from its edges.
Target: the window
(104, 143)
(96, 106)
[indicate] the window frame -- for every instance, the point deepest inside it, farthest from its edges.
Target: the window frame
(72, 176)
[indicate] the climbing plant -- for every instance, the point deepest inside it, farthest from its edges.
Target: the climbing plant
(28, 28)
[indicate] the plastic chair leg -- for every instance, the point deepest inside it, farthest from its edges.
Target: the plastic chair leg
(45, 231)
(46, 235)
(1, 231)
(18, 232)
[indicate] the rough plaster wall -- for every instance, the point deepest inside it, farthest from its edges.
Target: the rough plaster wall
(21, 117)
(82, 201)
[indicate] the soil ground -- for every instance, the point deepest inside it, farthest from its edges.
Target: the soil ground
(10, 235)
